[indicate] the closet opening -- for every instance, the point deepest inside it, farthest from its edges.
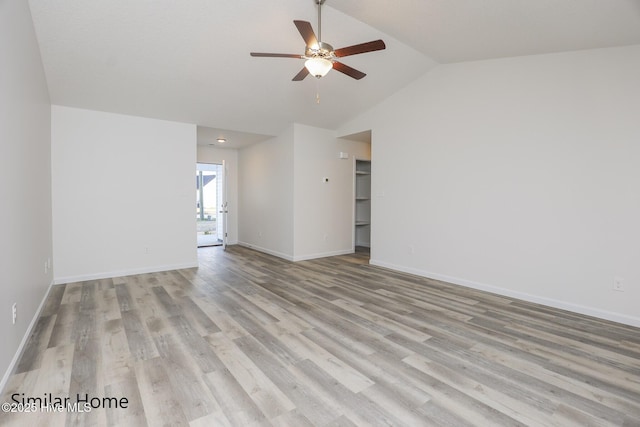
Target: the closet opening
(362, 209)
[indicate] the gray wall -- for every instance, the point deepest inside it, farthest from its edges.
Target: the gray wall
(25, 177)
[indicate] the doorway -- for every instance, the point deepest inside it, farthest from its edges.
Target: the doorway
(210, 206)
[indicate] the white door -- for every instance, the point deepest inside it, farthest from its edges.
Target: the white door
(223, 204)
(207, 204)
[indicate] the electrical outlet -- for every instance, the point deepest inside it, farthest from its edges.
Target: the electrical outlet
(618, 284)
(14, 312)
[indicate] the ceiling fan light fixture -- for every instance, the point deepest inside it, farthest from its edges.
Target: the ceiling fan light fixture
(318, 67)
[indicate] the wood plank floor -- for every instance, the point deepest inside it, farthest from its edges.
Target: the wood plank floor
(252, 340)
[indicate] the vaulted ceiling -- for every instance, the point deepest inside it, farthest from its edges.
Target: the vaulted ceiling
(188, 60)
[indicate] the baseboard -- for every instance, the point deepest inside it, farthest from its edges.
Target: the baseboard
(120, 273)
(25, 338)
(266, 251)
(550, 302)
(295, 258)
(322, 255)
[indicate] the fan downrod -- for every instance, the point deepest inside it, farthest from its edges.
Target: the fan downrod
(320, 3)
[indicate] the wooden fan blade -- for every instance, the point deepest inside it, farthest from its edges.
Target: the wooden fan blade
(345, 69)
(306, 31)
(301, 75)
(360, 48)
(276, 55)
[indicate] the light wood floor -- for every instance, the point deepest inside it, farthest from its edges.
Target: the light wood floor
(252, 340)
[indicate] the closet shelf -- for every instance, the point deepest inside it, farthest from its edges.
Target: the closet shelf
(362, 202)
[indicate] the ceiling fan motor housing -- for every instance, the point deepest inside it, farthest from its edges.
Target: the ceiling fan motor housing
(323, 50)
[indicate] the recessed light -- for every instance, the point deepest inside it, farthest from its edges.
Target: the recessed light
(222, 140)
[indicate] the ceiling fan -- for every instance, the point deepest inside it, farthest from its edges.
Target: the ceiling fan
(321, 57)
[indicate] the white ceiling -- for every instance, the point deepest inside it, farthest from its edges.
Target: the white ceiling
(188, 60)
(466, 30)
(232, 138)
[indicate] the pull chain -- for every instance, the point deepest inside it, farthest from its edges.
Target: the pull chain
(317, 91)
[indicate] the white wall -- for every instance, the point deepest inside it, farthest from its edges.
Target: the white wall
(123, 199)
(323, 212)
(216, 155)
(25, 179)
(515, 175)
(285, 207)
(265, 195)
